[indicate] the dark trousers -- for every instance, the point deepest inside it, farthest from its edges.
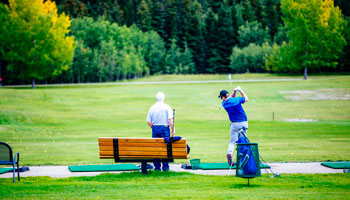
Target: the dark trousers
(160, 132)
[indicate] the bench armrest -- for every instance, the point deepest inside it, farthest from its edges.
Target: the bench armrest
(16, 159)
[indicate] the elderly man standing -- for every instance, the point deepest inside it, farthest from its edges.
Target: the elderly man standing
(237, 116)
(160, 117)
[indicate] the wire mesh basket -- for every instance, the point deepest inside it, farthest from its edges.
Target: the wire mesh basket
(248, 162)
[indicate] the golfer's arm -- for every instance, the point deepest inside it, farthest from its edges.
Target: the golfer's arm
(244, 95)
(149, 124)
(234, 94)
(171, 123)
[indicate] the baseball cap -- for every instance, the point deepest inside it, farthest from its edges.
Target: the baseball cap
(223, 93)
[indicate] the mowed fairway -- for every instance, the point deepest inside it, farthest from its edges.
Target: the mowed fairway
(60, 125)
(175, 185)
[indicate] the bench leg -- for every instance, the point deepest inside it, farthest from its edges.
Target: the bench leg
(144, 167)
(14, 172)
(18, 170)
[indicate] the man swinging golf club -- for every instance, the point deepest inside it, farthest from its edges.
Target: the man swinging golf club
(238, 118)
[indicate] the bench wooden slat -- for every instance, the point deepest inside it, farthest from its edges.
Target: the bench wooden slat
(147, 140)
(105, 139)
(160, 149)
(140, 158)
(141, 148)
(141, 153)
(106, 148)
(148, 153)
(155, 149)
(106, 157)
(137, 140)
(137, 157)
(123, 144)
(145, 157)
(157, 156)
(106, 153)
(110, 148)
(180, 145)
(105, 143)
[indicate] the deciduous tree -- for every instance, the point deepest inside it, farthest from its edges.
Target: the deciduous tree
(316, 39)
(35, 42)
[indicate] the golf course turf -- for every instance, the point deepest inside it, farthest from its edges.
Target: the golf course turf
(294, 121)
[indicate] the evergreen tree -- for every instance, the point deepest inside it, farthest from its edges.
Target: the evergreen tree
(234, 16)
(259, 9)
(177, 61)
(188, 66)
(172, 58)
(174, 23)
(144, 16)
(211, 38)
(344, 6)
(224, 40)
(195, 36)
(281, 36)
(73, 8)
(215, 5)
(112, 11)
(129, 15)
(238, 13)
(248, 11)
(252, 32)
(159, 17)
(273, 16)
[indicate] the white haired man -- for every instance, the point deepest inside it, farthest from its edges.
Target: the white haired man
(160, 119)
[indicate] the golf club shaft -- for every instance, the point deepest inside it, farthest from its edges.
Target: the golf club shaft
(174, 119)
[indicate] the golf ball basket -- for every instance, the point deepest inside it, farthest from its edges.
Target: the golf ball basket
(247, 161)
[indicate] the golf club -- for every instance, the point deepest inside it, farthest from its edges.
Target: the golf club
(174, 119)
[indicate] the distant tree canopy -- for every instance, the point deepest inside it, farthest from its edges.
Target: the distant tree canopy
(316, 35)
(118, 39)
(33, 39)
(109, 52)
(209, 28)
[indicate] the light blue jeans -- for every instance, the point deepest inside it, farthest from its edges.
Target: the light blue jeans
(235, 127)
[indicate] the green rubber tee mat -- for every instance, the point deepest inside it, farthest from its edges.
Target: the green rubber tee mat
(4, 170)
(337, 165)
(209, 166)
(101, 168)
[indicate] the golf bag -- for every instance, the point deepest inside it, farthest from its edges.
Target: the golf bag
(247, 161)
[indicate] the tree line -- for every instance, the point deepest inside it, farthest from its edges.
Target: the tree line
(116, 39)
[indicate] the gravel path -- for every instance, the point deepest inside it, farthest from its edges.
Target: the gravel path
(281, 168)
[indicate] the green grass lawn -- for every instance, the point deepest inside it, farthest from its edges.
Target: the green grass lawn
(60, 125)
(172, 185)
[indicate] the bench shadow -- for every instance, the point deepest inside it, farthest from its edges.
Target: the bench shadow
(240, 185)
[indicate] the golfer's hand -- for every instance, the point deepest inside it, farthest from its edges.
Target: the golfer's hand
(172, 134)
